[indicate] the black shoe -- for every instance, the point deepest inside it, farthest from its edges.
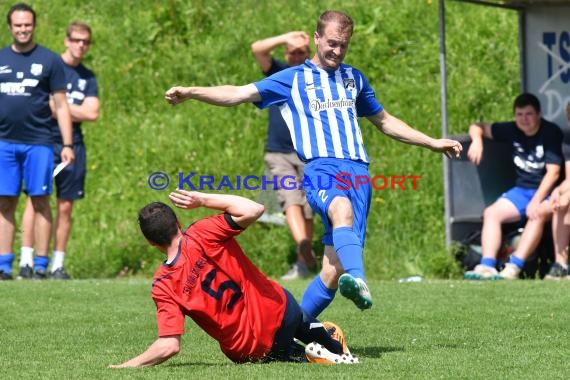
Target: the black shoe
(297, 353)
(5, 276)
(337, 334)
(25, 273)
(556, 272)
(60, 274)
(40, 274)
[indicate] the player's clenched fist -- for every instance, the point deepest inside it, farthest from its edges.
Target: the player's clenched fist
(176, 95)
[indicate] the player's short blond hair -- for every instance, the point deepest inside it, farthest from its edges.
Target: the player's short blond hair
(344, 21)
(77, 26)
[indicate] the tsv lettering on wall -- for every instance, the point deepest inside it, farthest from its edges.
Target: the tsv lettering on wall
(546, 66)
(557, 49)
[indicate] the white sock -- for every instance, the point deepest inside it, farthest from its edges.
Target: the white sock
(57, 260)
(27, 257)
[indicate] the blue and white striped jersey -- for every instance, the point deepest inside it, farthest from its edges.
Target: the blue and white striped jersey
(321, 109)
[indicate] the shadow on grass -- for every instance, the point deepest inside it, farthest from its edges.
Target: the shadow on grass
(359, 351)
(199, 364)
(373, 352)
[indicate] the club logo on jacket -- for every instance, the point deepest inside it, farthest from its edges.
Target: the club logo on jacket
(36, 69)
(349, 84)
(81, 83)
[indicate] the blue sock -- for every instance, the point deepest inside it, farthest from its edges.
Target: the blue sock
(317, 297)
(489, 262)
(517, 261)
(41, 262)
(349, 251)
(6, 261)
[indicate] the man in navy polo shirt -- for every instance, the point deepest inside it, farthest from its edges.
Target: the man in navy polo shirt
(83, 100)
(29, 74)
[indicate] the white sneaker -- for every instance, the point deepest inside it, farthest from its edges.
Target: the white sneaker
(482, 272)
(510, 272)
(297, 271)
(316, 353)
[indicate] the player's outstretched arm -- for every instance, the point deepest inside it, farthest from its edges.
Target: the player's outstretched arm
(451, 148)
(161, 350)
(243, 211)
(399, 130)
(225, 96)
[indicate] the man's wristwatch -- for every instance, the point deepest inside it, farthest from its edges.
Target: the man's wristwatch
(68, 146)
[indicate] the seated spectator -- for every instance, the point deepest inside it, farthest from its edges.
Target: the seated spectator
(561, 217)
(537, 156)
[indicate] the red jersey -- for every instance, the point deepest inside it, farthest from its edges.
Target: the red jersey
(214, 283)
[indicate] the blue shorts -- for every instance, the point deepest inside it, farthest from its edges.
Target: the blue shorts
(520, 197)
(70, 182)
(28, 162)
(328, 178)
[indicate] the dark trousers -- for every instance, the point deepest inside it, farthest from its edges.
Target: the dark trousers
(298, 324)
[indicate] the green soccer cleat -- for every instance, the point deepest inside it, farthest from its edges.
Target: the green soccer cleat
(356, 290)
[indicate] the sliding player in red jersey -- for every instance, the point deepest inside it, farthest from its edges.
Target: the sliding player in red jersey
(208, 278)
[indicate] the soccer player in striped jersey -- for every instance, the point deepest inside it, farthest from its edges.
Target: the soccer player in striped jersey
(321, 102)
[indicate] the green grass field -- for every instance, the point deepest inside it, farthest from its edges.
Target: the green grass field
(434, 329)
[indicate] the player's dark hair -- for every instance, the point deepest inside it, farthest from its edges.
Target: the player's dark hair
(20, 7)
(527, 99)
(341, 18)
(158, 223)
